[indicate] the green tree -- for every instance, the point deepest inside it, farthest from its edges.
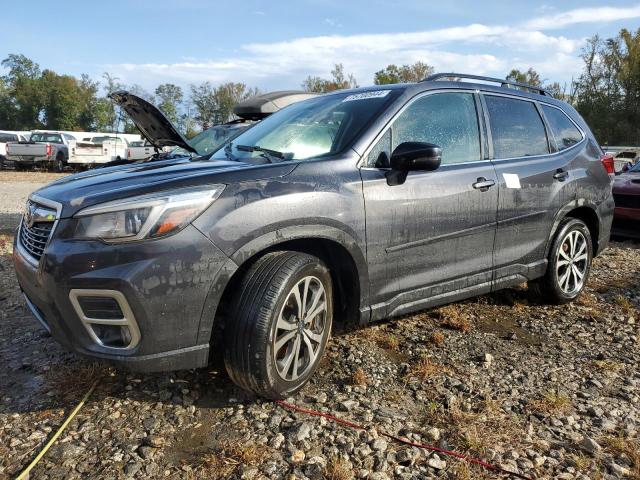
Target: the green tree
(530, 77)
(169, 99)
(404, 74)
(339, 81)
(22, 107)
(215, 105)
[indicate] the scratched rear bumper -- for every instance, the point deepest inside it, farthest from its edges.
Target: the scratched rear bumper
(166, 283)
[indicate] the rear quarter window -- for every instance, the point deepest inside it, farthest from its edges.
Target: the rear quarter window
(563, 129)
(516, 128)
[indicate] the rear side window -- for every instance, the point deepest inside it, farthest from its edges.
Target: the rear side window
(516, 128)
(563, 129)
(8, 137)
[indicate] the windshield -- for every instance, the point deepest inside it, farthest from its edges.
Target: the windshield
(211, 139)
(317, 127)
(46, 137)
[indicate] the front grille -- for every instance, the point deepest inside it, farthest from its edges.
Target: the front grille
(627, 201)
(35, 229)
(34, 239)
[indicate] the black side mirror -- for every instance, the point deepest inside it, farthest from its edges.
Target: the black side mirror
(410, 156)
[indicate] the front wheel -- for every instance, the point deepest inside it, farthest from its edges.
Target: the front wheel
(569, 263)
(283, 315)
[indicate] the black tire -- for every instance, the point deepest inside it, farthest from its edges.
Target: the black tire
(2, 163)
(59, 163)
(266, 290)
(549, 288)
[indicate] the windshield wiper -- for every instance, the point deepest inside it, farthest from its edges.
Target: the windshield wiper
(267, 152)
(227, 152)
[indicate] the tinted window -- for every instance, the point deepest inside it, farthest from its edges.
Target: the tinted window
(46, 137)
(448, 120)
(563, 129)
(8, 137)
(516, 128)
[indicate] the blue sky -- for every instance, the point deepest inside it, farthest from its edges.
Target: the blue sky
(275, 45)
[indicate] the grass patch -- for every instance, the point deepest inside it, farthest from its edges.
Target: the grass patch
(425, 369)
(229, 458)
(625, 305)
(452, 316)
(436, 338)
(72, 382)
(338, 469)
(380, 337)
(550, 403)
(6, 244)
(625, 446)
(607, 365)
(359, 377)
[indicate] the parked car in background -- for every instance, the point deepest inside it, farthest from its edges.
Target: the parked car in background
(47, 149)
(140, 150)
(6, 137)
(626, 194)
(353, 206)
(57, 150)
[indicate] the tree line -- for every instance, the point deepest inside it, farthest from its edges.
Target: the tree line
(606, 93)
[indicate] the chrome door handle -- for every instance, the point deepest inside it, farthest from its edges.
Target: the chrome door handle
(483, 184)
(560, 175)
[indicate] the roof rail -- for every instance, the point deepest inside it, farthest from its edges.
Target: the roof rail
(501, 81)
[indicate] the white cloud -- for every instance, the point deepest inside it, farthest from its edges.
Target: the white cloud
(492, 50)
(583, 15)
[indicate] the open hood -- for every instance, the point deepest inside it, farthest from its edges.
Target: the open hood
(151, 122)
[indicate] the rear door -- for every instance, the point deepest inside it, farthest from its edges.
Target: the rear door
(432, 236)
(534, 183)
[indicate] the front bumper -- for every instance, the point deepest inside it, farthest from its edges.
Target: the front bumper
(169, 284)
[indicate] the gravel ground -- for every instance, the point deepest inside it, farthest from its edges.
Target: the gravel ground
(550, 392)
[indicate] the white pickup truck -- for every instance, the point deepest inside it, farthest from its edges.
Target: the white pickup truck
(56, 150)
(140, 151)
(4, 138)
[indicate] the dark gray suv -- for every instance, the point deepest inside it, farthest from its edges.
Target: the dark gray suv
(360, 204)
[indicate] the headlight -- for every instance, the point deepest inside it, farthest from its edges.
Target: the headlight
(146, 216)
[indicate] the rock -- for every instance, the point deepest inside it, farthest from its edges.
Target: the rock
(147, 452)
(433, 434)
(277, 441)
(132, 468)
(589, 445)
(297, 456)
(487, 360)
(436, 463)
(303, 432)
(349, 405)
(619, 470)
(379, 445)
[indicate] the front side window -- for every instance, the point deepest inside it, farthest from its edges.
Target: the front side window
(563, 129)
(516, 128)
(319, 127)
(448, 120)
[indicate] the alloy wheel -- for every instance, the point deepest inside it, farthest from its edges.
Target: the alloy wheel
(572, 262)
(300, 329)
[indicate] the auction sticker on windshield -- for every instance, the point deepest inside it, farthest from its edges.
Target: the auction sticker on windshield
(366, 95)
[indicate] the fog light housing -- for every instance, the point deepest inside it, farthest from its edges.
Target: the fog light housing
(108, 318)
(113, 336)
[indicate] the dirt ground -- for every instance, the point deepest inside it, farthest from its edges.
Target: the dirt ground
(547, 391)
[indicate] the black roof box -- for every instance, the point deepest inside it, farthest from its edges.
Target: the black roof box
(260, 106)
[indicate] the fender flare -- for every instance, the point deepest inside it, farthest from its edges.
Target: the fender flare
(269, 240)
(562, 214)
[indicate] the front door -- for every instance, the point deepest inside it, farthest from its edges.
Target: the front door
(430, 239)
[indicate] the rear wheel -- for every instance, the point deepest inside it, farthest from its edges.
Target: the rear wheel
(283, 315)
(59, 164)
(569, 264)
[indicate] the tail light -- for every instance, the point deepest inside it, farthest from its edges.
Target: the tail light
(608, 163)
(49, 149)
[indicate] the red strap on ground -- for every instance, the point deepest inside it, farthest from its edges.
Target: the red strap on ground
(450, 453)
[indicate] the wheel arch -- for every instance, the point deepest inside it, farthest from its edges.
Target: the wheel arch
(337, 249)
(583, 210)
